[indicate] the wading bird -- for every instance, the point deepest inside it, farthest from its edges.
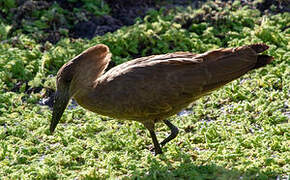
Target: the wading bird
(149, 89)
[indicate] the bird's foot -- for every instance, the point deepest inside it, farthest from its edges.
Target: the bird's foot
(155, 151)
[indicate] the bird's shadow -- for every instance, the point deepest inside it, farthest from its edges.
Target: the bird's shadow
(161, 168)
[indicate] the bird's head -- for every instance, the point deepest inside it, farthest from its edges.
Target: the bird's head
(61, 97)
(81, 69)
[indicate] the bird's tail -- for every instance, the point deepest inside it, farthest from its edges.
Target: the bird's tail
(262, 60)
(225, 65)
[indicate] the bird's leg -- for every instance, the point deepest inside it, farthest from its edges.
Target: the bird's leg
(173, 134)
(157, 147)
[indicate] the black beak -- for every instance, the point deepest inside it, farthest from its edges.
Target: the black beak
(61, 100)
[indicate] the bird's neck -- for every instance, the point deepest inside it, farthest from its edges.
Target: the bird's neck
(84, 86)
(86, 76)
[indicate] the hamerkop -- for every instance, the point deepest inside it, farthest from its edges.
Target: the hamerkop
(149, 89)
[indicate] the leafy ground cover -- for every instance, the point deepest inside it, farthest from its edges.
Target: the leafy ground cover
(239, 131)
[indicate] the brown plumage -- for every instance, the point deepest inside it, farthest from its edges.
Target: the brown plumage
(150, 89)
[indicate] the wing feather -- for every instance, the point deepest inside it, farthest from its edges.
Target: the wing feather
(164, 84)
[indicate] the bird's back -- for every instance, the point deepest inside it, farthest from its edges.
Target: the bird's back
(155, 87)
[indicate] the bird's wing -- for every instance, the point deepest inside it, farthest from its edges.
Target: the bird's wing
(167, 83)
(144, 60)
(152, 84)
(225, 65)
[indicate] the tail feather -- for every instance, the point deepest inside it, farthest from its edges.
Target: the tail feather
(227, 65)
(263, 60)
(259, 47)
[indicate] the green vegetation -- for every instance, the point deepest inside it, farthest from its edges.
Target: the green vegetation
(241, 130)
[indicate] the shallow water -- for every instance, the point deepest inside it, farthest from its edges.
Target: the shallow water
(184, 112)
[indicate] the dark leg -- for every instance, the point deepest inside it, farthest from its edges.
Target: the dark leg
(174, 132)
(157, 147)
